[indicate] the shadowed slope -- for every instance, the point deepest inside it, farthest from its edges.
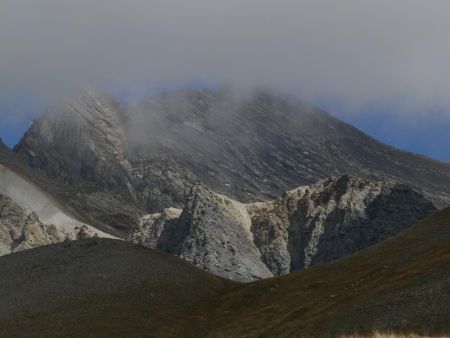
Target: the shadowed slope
(99, 286)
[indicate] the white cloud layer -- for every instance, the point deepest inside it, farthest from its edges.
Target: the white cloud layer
(359, 52)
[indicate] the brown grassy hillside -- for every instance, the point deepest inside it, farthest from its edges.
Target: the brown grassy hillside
(104, 287)
(401, 285)
(100, 287)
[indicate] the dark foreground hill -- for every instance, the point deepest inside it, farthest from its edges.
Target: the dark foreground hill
(100, 287)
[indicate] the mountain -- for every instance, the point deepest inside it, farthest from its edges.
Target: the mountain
(134, 172)
(306, 226)
(123, 162)
(103, 287)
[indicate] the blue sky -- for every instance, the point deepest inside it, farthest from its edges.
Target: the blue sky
(10, 135)
(426, 136)
(15, 118)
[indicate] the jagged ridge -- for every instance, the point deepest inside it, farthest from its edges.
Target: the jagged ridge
(306, 226)
(146, 158)
(20, 230)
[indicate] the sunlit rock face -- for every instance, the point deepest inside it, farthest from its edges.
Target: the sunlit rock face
(337, 217)
(124, 162)
(306, 226)
(212, 232)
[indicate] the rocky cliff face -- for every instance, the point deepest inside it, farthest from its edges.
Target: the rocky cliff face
(337, 217)
(212, 232)
(29, 216)
(20, 230)
(306, 226)
(80, 140)
(81, 145)
(146, 158)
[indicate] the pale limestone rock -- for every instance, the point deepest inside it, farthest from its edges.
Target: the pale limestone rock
(20, 230)
(305, 226)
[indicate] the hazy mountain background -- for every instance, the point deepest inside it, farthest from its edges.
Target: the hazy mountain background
(379, 65)
(123, 161)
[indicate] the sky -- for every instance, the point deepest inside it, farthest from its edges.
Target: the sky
(382, 65)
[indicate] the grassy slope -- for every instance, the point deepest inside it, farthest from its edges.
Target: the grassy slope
(102, 287)
(107, 287)
(401, 285)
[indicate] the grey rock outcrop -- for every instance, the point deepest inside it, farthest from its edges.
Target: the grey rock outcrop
(81, 140)
(20, 230)
(80, 144)
(306, 226)
(147, 158)
(155, 230)
(212, 232)
(337, 217)
(30, 217)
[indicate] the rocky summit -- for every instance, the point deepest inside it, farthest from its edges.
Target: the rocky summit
(122, 162)
(306, 226)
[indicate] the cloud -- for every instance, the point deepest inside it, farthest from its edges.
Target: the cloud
(354, 51)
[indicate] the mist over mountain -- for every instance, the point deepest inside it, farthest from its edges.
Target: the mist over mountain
(249, 147)
(388, 79)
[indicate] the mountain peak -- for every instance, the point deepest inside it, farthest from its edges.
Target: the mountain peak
(78, 138)
(249, 148)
